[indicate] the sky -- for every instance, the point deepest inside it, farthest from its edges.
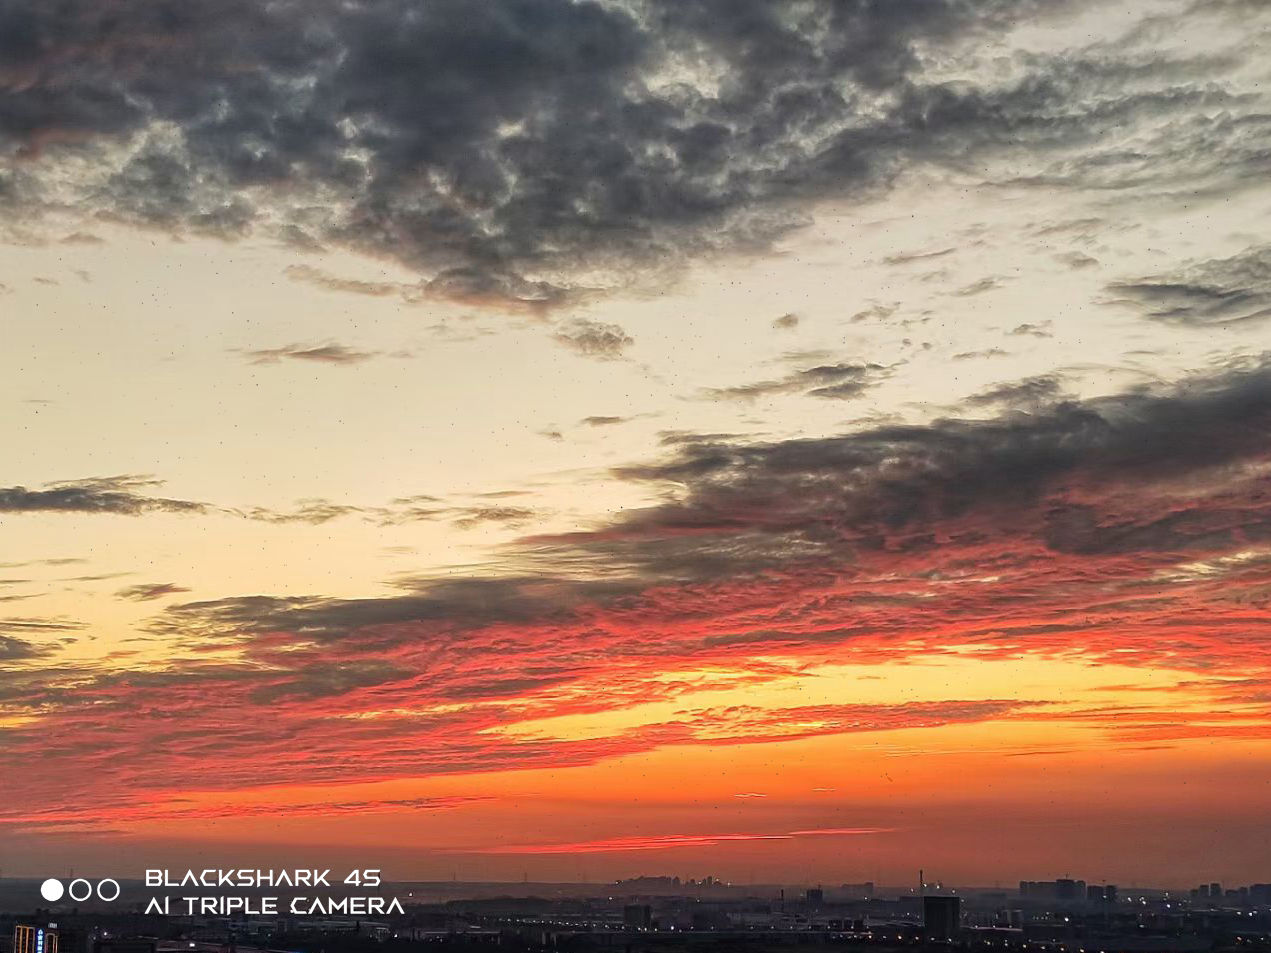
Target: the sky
(801, 441)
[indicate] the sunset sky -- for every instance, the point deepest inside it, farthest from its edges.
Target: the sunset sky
(798, 441)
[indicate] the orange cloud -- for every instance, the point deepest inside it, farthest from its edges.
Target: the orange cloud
(670, 841)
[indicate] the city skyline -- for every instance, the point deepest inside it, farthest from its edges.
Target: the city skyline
(793, 442)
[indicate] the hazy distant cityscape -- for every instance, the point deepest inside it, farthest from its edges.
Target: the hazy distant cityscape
(650, 913)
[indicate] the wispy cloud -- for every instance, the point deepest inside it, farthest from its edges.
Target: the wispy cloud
(1028, 392)
(1220, 291)
(321, 279)
(70, 819)
(149, 591)
(312, 512)
(830, 381)
(126, 495)
(606, 342)
(329, 353)
(979, 287)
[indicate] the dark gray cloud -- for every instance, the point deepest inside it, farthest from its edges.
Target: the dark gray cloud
(737, 508)
(1215, 292)
(26, 640)
(1076, 260)
(30, 625)
(830, 381)
(330, 353)
(504, 148)
(124, 496)
(407, 509)
(462, 602)
(876, 312)
(1082, 229)
(149, 591)
(751, 504)
(82, 238)
(502, 515)
(1041, 330)
(20, 650)
(606, 342)
(127, 495)
(1028, 393)
(979, 287)
(984, 352)
(488, 288)
(313, 512)
(905, 258)
(418, 506)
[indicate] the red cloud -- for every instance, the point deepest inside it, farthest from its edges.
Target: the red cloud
(1136, 535)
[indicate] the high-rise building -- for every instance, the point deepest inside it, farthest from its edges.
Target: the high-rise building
(28, 939)
(637, 916)
(1101, 894)
(1066, 889)
(941, 917)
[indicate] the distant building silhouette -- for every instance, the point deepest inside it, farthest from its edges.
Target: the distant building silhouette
(1062, 889)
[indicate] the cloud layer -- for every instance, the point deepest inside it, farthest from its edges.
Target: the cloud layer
(126, 495)
(1132, 530)
(1210, 293)
(509, 150)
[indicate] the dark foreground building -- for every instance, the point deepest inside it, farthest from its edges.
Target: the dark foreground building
(941, 917)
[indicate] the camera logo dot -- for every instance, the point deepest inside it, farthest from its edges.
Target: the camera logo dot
(52, 890)
(80, 890)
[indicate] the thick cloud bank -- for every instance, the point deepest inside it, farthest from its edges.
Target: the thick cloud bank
(517, 150)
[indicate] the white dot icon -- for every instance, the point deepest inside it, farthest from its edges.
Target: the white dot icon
(51, 890)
